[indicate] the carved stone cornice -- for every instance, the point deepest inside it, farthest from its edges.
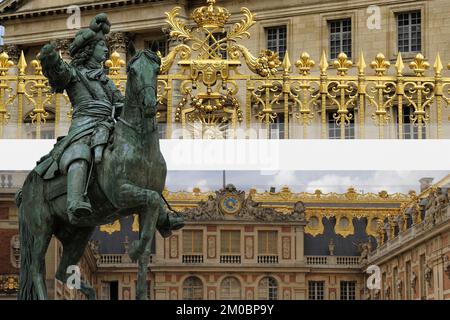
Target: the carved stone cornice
(62, 45)
(13, 51)
(118, 41)
(231, 204)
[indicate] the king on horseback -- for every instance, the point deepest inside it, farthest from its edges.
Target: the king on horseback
(109, 165)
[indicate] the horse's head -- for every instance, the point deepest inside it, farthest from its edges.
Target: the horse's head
(141, 91)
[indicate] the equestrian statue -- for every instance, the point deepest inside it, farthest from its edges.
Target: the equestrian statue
(108, 166)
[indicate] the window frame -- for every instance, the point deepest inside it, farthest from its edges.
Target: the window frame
(199, 286)
(341, 34)
(270, 290)
(267, 252)
(277, 39)
(314, 290)
(346, 291)
(350, 130)
(228, 233)
(410, 34)
(193, 232)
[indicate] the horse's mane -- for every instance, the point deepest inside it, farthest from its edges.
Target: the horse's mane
(148, 54)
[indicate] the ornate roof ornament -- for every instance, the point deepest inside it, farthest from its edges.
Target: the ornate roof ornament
(231, 204)
(211, 16)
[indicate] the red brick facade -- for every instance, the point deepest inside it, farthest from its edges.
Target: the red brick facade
(5, 251)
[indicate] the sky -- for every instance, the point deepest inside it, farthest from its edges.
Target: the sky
(299, 181)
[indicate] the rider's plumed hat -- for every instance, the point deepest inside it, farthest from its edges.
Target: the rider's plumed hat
(98, 29)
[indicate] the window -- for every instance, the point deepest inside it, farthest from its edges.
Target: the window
(192, 289)
(277, 127)
(268, 289)
(340, 37)
(277, 40)
(334, 130)
(409, 31)
(411, 131)
(316, 290)
(162, 45)
(267, 242)
(230, 289)
(220, 50)
(192, 242)
(230, 242)
(110, 290)
(348, 290)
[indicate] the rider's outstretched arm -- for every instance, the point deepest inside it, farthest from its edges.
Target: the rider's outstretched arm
(58, 72)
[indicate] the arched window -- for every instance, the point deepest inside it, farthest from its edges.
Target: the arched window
(230, 289)
(268, 289)
(192, 289)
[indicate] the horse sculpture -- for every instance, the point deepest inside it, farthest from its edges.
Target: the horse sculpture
(130, 179)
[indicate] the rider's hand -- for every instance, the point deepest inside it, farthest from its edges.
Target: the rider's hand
(48, 53)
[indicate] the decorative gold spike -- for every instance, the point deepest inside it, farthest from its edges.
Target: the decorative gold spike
(36, 64)
(380, 64)
(286, 64)
(342, 64)
(323, 63)
(5, 63)
(399, 64)
(22, 64)
(438, 67)
(115, 63)
(304, 64)
(361, 63)
(419, 65)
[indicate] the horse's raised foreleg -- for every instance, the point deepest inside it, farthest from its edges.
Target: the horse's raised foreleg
(74, 244)
(133, 196)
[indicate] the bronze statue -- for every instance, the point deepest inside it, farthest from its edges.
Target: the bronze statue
(107, 167)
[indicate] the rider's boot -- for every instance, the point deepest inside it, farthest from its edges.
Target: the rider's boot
(98, 153)
(168, 221)
(78, 205)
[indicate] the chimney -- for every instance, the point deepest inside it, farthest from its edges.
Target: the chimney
(425, 183)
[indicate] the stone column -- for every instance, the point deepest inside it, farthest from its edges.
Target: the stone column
(299, 243)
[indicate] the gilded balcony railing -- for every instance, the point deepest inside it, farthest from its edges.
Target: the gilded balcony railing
(213, 87)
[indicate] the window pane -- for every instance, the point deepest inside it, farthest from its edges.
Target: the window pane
(268, 242)
(277, 40)
(409, 31)
(192, 241)
(340, 37)
(230, 242)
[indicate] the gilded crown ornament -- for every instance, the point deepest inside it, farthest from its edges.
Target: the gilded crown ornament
(211, 16)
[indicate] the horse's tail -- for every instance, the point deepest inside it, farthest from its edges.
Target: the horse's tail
(26, 287)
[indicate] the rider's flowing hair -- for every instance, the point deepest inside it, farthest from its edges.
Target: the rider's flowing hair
(82, 57)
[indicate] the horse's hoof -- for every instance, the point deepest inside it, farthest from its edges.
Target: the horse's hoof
(176, 223)
(134, 252)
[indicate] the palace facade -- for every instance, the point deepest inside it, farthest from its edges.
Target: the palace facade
(263, 245)
(273, 69)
